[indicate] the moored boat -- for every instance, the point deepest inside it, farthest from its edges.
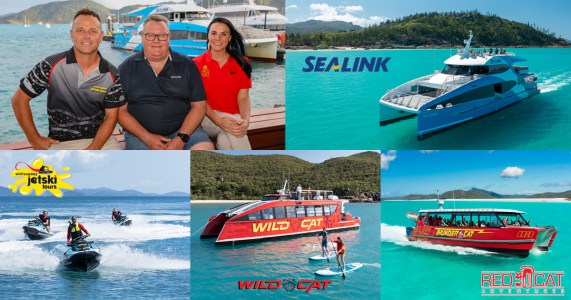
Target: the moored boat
(278, 215)
(496, 230)
(472, 84)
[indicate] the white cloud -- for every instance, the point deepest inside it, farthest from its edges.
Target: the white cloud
(57, 157)
(387, 158)
(324, 12)
(84, 159)
(291, 6)
(512, 172)
(91, 159)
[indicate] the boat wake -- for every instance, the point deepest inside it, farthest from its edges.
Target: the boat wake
(122, 257)
(397, 235)
(554, 83)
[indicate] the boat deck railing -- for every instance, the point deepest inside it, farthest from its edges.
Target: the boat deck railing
(409, 100)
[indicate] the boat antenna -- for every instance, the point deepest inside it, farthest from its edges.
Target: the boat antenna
(440, 202)
(466, 52)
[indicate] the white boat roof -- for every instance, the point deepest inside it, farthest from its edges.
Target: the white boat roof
(481, 60)
(241, 7)
(472, 210)
(180, 8)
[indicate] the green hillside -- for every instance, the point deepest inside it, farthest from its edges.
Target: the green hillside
(55, 12)
(475, 193)
(437, 30)
(220, 176)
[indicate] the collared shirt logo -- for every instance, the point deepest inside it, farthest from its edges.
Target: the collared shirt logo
(205, 72)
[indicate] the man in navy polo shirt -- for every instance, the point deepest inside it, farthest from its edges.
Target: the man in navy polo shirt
(84, 93)
(164, 93)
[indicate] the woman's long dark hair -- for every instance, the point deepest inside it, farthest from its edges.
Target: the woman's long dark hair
(235, 47)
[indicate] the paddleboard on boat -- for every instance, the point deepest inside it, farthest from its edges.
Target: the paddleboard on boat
(333, 271)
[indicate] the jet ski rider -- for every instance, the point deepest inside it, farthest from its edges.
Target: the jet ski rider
(74, 230)
(45, 219)
(117, 216)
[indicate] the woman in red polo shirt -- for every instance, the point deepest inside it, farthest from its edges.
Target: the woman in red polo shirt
(226, 75)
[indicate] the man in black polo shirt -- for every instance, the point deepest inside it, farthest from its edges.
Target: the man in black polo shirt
(84, 93)
(164, 93)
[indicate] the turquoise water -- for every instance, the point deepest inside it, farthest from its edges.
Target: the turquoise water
(22, 48)
(416, 270)
(153, 252)
(340, 110)
(217, 269)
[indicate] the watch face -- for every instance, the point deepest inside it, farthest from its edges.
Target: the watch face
(184, 137)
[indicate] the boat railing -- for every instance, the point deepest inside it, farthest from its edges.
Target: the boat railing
(453, 82)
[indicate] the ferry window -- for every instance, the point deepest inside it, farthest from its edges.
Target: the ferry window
(310, 211)
(300, 211)
(326, 210)
(268, 213)
(319, 210)
(280, 212)
(290, 211)
(495, 69)
(257, 215)
(456, 70)
(333, 208)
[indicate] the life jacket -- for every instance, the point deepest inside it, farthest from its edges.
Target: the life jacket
(75, 231)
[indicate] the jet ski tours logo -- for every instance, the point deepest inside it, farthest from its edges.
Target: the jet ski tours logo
(39, 177)
(526, 282)
(345, 64)
(289, 284)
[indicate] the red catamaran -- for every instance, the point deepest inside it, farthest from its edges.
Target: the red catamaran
(278, 215)
(496, 230)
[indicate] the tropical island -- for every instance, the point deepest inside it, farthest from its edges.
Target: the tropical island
(216, 176)
(430, 30)
(481, 194)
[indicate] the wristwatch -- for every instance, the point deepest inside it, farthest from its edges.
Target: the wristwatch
(183, 137)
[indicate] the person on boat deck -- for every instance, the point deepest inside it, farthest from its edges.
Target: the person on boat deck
(164, 94)
(323, 235)
(298, 191)
(340, 252)
(227, 78)
(45, 219)
(83, 93)
(117, 215)
(74, 230)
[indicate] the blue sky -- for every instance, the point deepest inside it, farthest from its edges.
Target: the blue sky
(313, 156)
(553, 15)
(504, 172)
(146, 171)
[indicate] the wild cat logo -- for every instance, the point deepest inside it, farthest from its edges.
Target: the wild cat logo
(289, 284)
(526, 282)
(345, 64)
(39, 177)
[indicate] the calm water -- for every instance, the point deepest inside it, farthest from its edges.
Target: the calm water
(424, 271)
(153, 252)
(23, 48)
(217, 269)
(341, 110)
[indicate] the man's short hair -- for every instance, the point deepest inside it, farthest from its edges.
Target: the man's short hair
(155, 18)
(87, 12)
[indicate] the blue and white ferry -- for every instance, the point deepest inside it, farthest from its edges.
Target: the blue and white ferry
(471, 85)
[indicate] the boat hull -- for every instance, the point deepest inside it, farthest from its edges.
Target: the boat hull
(81, 261)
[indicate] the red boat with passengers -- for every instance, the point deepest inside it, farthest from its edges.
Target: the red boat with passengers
(496, 230)
(278, 215)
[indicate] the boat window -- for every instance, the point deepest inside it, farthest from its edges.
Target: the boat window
(479, 93)
(333, 208)
(310, 211)
(300, 211)
(508, 219)
(456, 70)
(495, 69)
(319, 210)
(326, 210)
(268, 213)
(187, 35)
(280, 212)
(290, 211)
(257, 215)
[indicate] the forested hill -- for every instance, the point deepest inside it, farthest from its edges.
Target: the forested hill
(220, 176)
(475, 193)
(55, 12)
(437, 30)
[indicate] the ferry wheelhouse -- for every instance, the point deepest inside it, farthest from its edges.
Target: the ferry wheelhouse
(276, 216)
(471, 85)
(496, 230)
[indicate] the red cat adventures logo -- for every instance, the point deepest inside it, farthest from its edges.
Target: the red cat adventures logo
(526, 282)
(288, 284)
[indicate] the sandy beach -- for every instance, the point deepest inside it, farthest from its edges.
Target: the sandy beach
(550, 200)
